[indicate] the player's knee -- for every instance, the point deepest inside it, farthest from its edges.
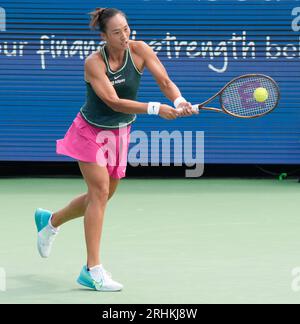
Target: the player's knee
(99, 193)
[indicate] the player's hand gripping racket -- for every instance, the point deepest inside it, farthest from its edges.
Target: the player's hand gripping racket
(248, 96)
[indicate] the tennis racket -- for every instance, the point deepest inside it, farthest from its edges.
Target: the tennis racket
(237, 97)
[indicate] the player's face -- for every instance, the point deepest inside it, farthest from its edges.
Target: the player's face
(117, 32)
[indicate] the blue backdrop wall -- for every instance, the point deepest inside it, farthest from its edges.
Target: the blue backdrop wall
(203, 44)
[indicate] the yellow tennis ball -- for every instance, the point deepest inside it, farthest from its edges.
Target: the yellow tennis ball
(261, 94)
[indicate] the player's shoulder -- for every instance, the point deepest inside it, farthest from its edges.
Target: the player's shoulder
(139, 47)
(94, 59)
(91, 57)
(95, 56)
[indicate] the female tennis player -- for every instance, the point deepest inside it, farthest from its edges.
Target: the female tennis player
(99, 135)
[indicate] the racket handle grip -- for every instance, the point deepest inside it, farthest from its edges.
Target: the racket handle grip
(194, 107)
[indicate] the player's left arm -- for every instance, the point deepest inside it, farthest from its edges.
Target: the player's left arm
(156, 68)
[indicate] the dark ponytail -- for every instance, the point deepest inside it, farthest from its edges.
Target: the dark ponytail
(101, 16)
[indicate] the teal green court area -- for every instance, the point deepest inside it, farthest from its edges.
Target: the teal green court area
(167, 241)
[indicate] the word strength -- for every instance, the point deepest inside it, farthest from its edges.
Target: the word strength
(153, 313)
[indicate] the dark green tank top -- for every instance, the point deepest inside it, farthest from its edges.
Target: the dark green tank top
(126, 82)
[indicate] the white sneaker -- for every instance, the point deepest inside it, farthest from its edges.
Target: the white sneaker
(98, 279)
(45, 240)
(46, 233)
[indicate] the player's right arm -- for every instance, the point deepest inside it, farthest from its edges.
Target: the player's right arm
(95, 71)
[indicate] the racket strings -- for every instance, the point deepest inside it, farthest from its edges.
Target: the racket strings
(238, 99)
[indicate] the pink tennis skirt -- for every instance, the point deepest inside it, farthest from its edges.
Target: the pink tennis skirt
(88, 143)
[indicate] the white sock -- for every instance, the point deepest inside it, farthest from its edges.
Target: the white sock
(54, 229)
(96, 272)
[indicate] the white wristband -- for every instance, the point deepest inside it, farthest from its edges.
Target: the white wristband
(178, 101)
(153, 108)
